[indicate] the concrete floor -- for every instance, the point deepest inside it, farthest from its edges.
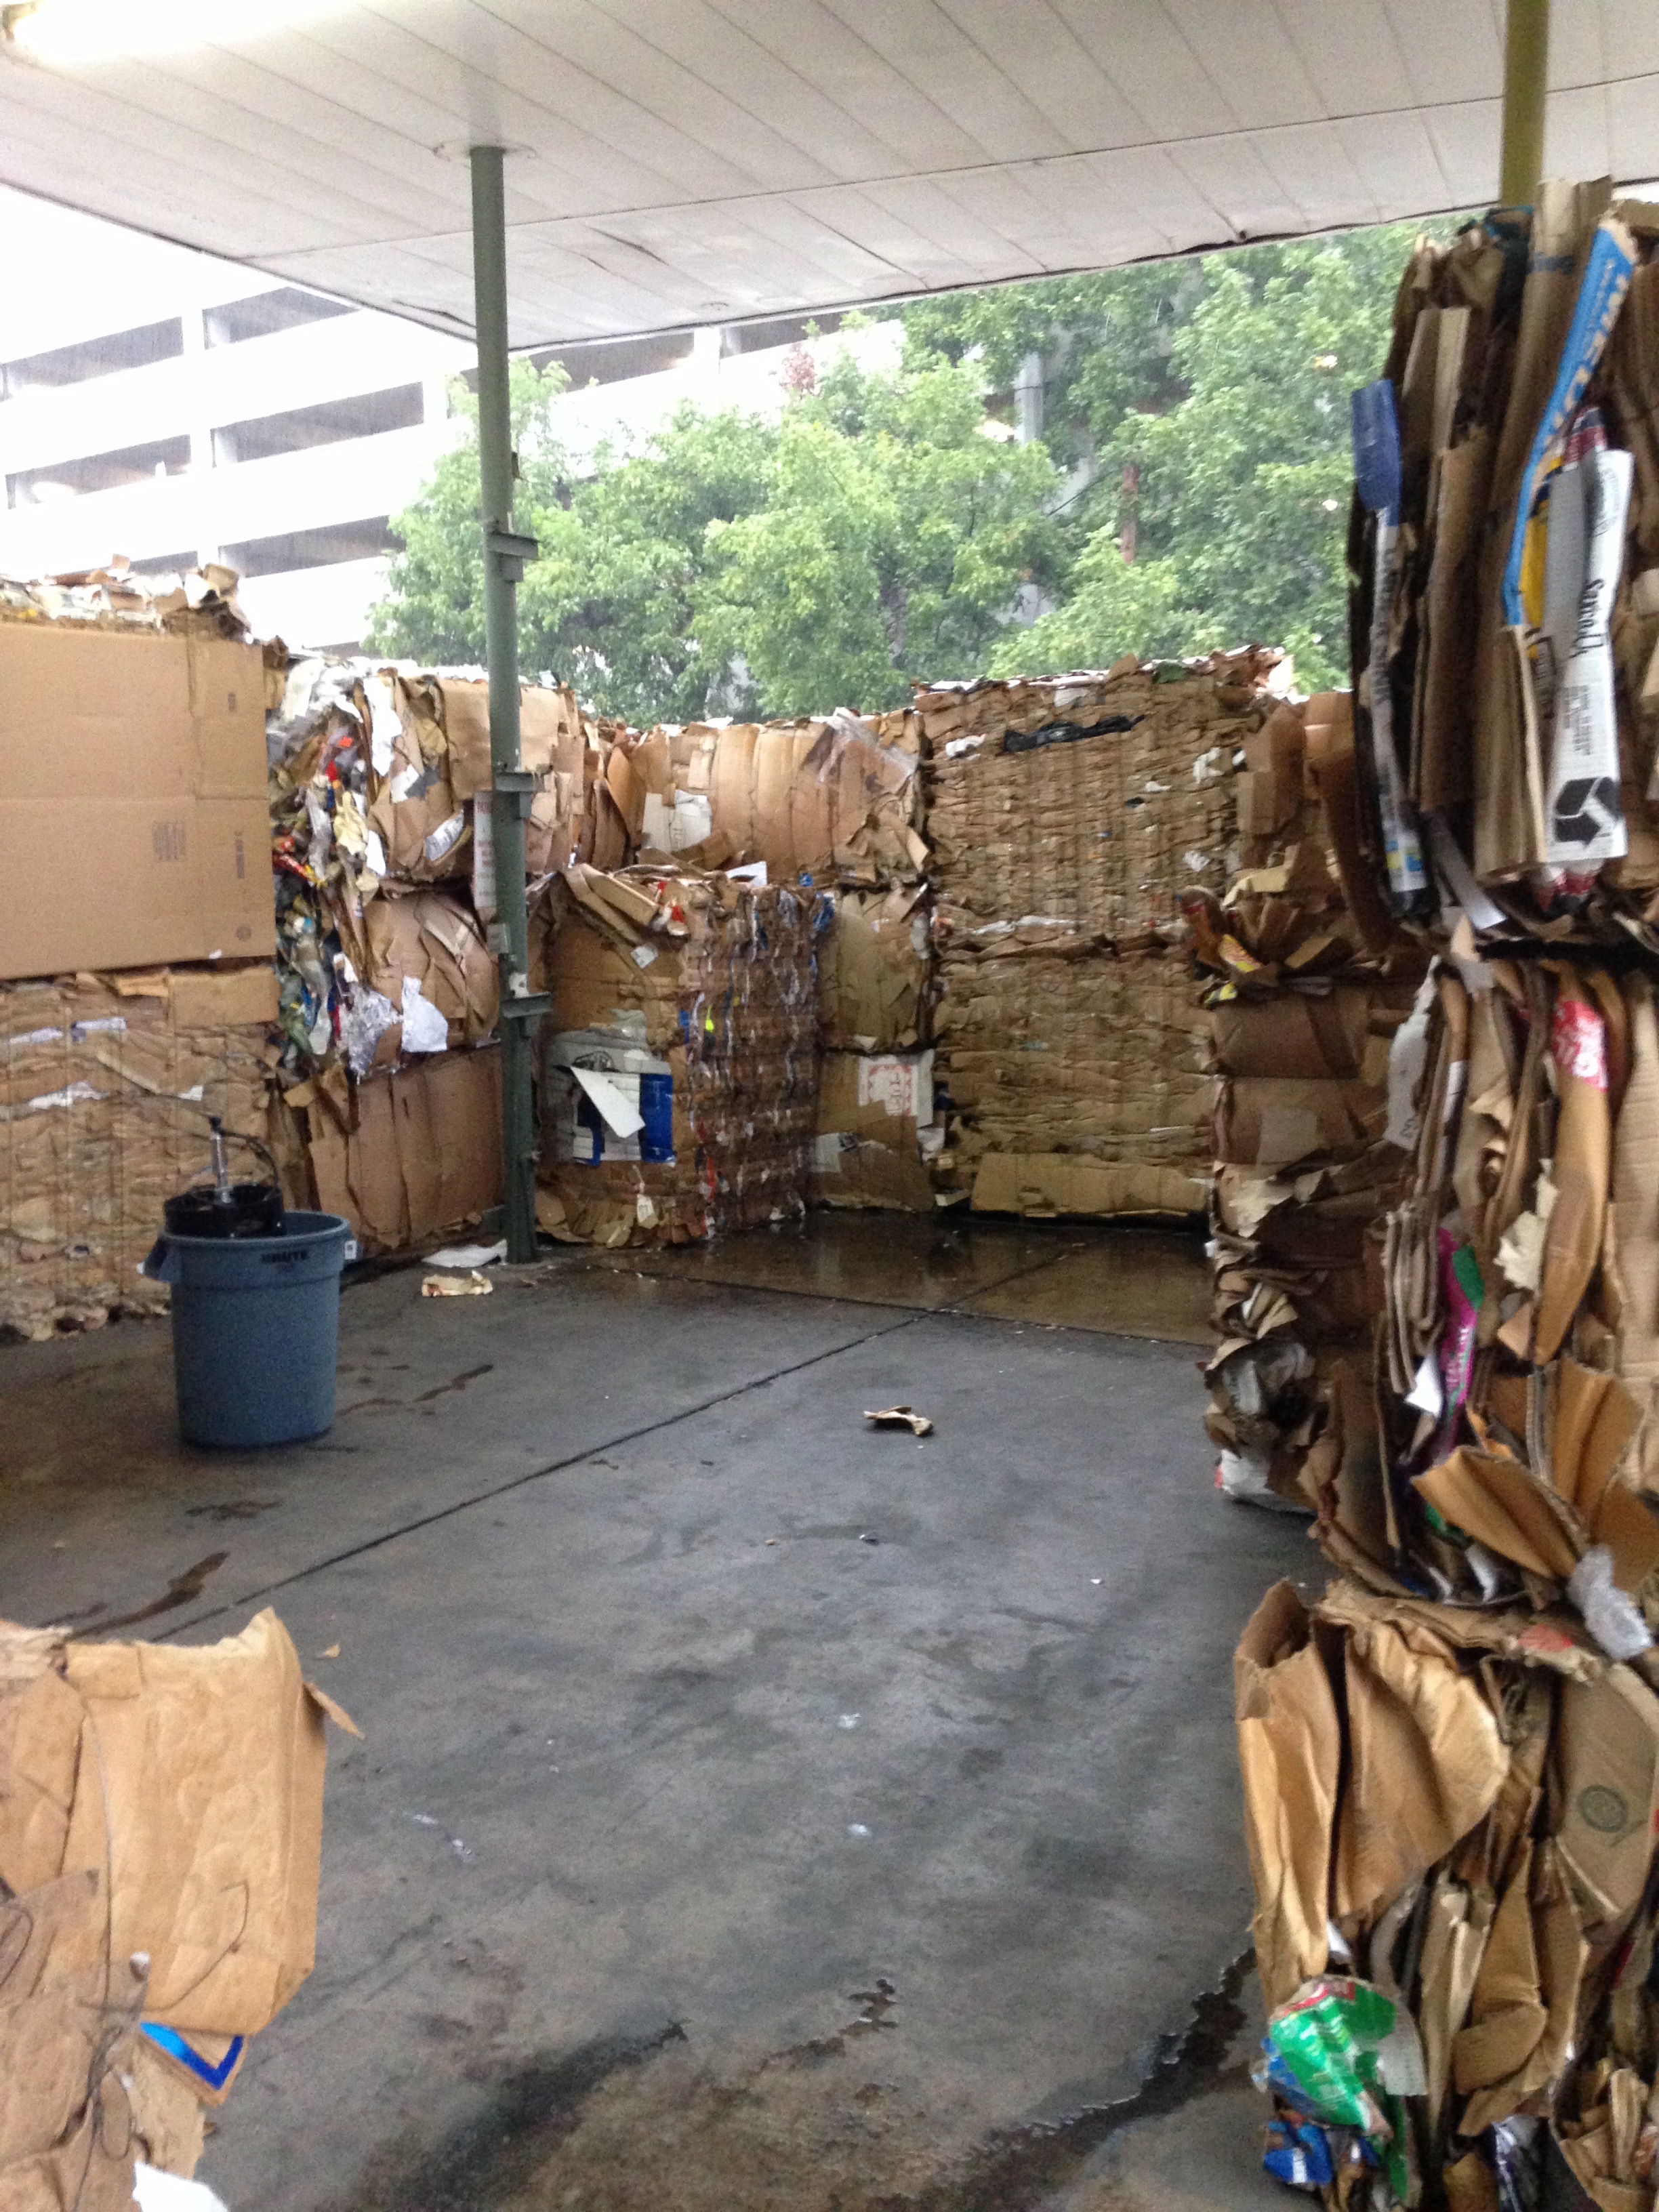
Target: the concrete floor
(754, 1810)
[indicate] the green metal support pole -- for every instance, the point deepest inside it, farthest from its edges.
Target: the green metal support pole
(505, 553)
(1526, 76)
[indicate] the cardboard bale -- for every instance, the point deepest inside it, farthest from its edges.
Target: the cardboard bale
(1502, 340)
(873, 958)
(161, 1827)
(381, 780)
(1398, 1757)
(429, 960)
(133, 828)
(105, 1087)
(679, 1059)
(1049, 1050)
(1070, 818)
(1094, 800)
(423, 1156)
(818, 801)
(873, 1109)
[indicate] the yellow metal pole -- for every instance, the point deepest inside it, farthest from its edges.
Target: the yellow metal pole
(1526, 74)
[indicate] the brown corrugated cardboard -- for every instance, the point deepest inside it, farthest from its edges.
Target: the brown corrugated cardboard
(1103, 829)
(428, 945)
(1289, 1755)
(866, 1151)
(678, 1061)
(1046, 1185)
(133, 823)
(159, 1861)
(818, 801)
(1049, 1048)
(105, 1087)
(1072, 819)
(425, 1155)
(423, 823)
(1271, 1121)
(873, 960)
(1606, 1752)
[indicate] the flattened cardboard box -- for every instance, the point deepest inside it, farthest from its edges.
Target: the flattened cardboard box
(426, 1154)
(1048, 1184)
(872, 971)
(866, 1151)
(428, 943)
(192, 1780)
(134, 826)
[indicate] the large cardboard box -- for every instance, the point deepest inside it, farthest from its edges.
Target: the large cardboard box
(134, 826)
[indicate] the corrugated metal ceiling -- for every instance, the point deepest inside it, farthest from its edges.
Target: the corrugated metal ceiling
(692, 160)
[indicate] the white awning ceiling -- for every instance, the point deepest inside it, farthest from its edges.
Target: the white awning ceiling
(683, 161)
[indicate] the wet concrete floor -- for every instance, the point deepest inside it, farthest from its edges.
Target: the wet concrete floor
(754, 1810)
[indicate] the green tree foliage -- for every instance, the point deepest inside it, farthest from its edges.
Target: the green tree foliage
(872, 533)
(1218, 447)
(893, 538)
(1190, 490)
(610, 603)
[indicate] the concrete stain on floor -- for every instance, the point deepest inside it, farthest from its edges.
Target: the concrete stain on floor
(836, 2124)
(700, 1853)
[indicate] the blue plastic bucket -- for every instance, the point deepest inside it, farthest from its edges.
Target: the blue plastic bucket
(256, 1326)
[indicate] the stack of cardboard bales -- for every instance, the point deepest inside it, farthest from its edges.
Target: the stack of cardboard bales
(134, 846)
(1067, 816)
(1305, 996)
(877, 1127)
(380, 783)
(160, 1824)
(106, 1085)
(1452, 1763)
(833, 804)
(679, 1060)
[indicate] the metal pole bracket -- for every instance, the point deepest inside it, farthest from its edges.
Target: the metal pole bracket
(510, 550)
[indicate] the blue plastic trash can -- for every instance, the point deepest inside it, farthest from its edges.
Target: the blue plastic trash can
(256, 1326)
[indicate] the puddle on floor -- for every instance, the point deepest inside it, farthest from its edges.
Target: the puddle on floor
(841, 2123)
(1122, 1279)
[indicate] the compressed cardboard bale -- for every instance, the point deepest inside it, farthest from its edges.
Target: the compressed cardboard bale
(1071, 818)
(423, 1155)
(873, 957)
(1049, 1050)
(105, 1088)
(429, 960)
(867, 1149)
(679, 1059)
(816, 800)
(133, 822)
(1096, 800)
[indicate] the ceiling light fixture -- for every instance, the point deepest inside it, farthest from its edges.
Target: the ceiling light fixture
(67, 34)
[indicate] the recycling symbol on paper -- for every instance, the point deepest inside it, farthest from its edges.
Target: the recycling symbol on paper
(1603, 1809)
